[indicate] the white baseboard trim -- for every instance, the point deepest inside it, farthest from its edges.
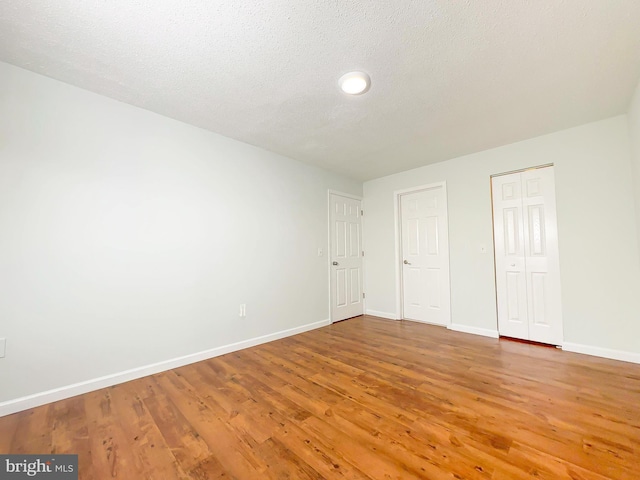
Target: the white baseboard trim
(485, 332)
(376, 313)
(602, 352)
(35, 400)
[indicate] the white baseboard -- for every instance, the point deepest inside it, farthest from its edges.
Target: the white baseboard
(375, 313)
(485, 332)
(35, 400)
(602, 352)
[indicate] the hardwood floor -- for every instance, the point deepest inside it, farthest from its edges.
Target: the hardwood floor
(364, 398)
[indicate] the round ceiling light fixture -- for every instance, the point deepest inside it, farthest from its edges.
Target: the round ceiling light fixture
(355, 83)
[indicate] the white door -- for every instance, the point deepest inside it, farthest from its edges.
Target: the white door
(511, 277)
(345, 257)
(425, 256)
(527, 256)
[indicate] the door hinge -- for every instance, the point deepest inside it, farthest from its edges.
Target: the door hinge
(363, 295)
(363, 253)
(361, 213)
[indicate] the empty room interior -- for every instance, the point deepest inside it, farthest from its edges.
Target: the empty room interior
(305, 240)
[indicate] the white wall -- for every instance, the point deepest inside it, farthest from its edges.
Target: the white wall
(128, 238)
(597, 233)
(634, 133)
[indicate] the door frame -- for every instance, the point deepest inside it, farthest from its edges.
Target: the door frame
(328, 247)
(399, 314)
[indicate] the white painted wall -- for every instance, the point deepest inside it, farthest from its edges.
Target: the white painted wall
(128, 238)
(597, 233)
(634, 134)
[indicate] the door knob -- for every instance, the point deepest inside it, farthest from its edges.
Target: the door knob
(406, 263)
(335, 263)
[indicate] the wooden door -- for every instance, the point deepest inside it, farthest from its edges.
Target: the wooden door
(425, 256)
(346, 257)
(527, 256)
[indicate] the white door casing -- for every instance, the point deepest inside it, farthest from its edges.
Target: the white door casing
(425, 255)
(345, 231)
(527, 256)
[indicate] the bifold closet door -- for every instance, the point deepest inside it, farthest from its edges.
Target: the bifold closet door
(526, 256)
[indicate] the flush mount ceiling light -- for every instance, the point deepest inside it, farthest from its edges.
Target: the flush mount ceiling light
(355, 83)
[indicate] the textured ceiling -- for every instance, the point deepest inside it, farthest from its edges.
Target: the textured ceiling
(448, 78)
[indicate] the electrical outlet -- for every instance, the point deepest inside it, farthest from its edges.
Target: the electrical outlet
(3, 347)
